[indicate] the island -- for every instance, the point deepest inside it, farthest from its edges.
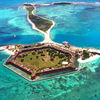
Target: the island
(35, 61)
(41, 59)
(41, 24)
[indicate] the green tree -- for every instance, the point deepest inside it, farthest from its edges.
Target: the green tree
(22, 60)
(30, 58)
(42, 54)
(37, 57)
(39, 52)
(33, 53)
(60, 55)
(85, 54)
(52, 59)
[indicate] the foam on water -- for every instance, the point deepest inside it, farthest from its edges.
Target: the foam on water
(91, 65)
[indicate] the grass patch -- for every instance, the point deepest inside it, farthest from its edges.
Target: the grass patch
(42, 59)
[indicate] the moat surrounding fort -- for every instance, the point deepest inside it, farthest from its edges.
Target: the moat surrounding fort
(37, 60)
(42, 59)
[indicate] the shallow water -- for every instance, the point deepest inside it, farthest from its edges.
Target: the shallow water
(83, 85)
(72, 25)
(13, 22)
(77, 24)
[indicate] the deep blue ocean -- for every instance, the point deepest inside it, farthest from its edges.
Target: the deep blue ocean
(79, 25)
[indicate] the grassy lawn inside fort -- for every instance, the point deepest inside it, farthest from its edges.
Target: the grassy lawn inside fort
(42, 59)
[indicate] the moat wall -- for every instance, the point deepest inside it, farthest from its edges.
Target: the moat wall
(10, 63)
(40, 73)
(53, 71)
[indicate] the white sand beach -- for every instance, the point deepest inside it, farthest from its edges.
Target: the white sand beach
(3, 48)
(46, 34)
(89, 59)
(9, 52)
(94, 50)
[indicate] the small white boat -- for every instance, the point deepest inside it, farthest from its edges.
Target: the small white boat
(14, 36)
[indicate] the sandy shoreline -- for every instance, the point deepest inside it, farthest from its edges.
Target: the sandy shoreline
(89, 59)
(9, 52)
(47, 38)
(7, 49)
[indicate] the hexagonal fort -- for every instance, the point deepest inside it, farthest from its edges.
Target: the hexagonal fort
(42, 60)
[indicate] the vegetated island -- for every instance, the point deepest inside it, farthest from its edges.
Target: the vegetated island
(38, 60)
(38, 23)
(32, 62)
(41, 59)
(42, 24)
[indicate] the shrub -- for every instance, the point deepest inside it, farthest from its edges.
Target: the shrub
(27, 46)
(85, 54)
(42, 54)
(68, 59)
(48, 50)
(60, 55)
(25, 55)
(52, 59)
(33, 53)
(22, 60)
(37, 57)
(39, 52)
(68, 55)
(56, 54)
(30, 58)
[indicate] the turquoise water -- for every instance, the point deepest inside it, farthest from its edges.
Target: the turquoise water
(79, 25)
(13, 22)
(83, 85)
